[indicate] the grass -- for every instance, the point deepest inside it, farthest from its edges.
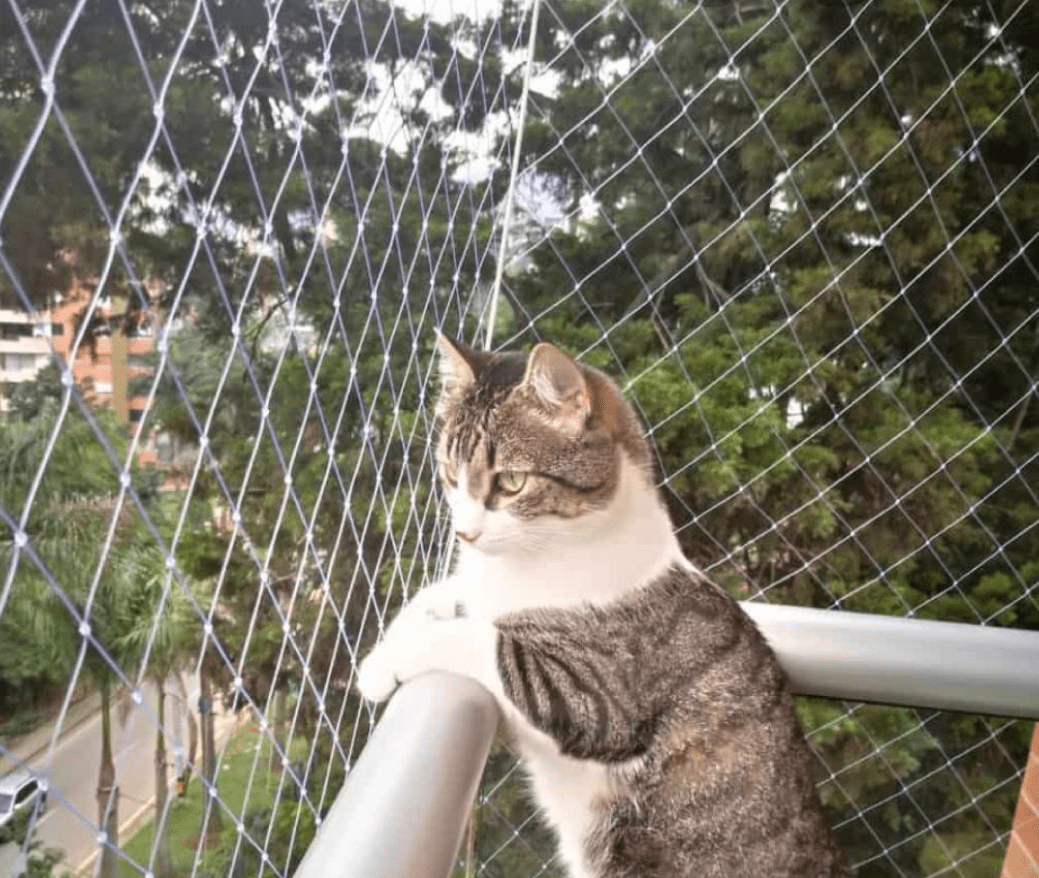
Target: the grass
(184, 818)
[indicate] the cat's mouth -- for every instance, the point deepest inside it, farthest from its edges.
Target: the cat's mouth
(488, 545)
(487, 542)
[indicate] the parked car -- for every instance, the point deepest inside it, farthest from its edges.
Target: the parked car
(18, 791)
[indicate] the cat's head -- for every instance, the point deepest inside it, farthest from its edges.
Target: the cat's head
(531, 445)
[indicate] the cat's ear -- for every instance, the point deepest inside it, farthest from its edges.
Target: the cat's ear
(457, 365)
(558, 382)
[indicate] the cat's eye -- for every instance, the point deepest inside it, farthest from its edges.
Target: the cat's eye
(511, 482)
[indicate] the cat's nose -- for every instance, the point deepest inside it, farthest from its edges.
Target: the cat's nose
(468, 536)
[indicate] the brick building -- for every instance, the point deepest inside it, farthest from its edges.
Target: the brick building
(105, 363)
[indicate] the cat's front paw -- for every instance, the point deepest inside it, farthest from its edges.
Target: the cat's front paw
(442, 607)
(424, 643)
(376, 679)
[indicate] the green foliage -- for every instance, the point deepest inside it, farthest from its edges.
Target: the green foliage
(17, 828)
(38, 864)
(810, 301)
(289, 827)
(66, 507)
(25, 720)
(249, 782)
(45, 865)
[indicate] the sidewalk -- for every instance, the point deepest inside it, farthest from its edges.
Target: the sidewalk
(21, 750)
(226, 724)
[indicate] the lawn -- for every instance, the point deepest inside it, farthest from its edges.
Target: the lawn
(185, 814)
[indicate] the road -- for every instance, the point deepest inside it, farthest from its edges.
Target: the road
(70, 822)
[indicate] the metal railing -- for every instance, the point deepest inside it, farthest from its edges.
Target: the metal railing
(402, 811)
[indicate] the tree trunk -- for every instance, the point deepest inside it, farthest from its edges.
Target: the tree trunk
(281, 711)
(107, 792)
(185, 766)
(163, 864)
(212, 825)
(192, 746)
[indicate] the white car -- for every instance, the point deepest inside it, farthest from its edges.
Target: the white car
(20, 790)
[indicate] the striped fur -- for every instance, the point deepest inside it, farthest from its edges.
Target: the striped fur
(678, 677)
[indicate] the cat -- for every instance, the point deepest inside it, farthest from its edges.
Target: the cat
(655, 724)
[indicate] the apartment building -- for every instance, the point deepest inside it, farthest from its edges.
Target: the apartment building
(104, 367)
(25, 348)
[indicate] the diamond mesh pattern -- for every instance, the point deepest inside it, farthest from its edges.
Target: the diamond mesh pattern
(800, 234)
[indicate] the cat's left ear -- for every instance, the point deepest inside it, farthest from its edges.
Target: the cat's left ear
(558, 383)
(457, 364)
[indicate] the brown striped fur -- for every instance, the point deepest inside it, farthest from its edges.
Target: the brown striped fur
(679, 677)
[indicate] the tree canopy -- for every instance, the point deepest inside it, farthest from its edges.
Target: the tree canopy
(800, 235)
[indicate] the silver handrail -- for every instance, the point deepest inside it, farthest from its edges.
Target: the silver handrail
(402, 811)
(910, 662)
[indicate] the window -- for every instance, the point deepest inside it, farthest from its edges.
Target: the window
(14, 331)
(18, 362)
(102, 387)
(57, 329)
(136, 415)
(25, 792)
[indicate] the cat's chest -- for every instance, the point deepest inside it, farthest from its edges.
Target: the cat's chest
(574, 795)
(495, 586)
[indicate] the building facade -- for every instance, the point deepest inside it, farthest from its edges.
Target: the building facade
(109, 358)
(25, 348)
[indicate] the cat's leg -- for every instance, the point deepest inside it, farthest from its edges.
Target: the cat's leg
(458, 645)
(440, 600)
(381, 671)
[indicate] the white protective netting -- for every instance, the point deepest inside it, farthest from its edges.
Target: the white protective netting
(800, 234)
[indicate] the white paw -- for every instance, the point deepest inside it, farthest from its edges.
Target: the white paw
(443, 606)
(376, 679)
(433, 603)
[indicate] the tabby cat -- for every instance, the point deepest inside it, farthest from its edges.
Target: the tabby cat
(653, 719)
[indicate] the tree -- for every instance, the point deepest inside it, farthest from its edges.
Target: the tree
(66, 599)
(160, 633)
(228, 159)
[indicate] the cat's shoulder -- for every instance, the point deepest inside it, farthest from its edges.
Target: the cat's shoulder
(678, 589)
(683, 582)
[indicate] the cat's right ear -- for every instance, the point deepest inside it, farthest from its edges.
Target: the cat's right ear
(457, 372)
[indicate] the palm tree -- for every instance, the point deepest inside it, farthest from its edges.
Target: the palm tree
(161, 632)
(64, 606)
(42, 623)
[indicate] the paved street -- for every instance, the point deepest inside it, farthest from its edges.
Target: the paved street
(70, 820)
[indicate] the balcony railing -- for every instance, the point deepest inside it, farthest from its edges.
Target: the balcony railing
(403, 809)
